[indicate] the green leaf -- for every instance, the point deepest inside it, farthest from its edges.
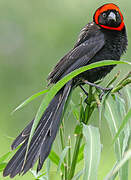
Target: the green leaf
(82, 113)
(113, 80)
(54, 157)
(2, 166)
(92, 152)
(62, 156)
(128, 92)
(39, 175)
(124, 122)
(4, 157)
(112, 116)
(47, 168)
(28, 100)
(81, 153)
(75, 110)
(78, 175)
(78, 129)
(42, 176)
(52, 92)
(109, 175)
(114, 112)
(119, 165)
(122, 111)
(125, 144)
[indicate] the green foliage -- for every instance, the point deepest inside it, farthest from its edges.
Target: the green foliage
(34, 36)
(113, 115)
(119, 166)
(92, 152)
(87, 148)
(5, 157)
(62, 157)
(30, 99)
(2, 161)
(60, 84)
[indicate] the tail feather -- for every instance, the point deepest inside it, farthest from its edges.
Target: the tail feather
(46, 146)
(15, 159)
(23, 136)
(42, 139)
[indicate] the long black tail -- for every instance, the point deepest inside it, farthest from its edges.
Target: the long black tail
(42, 139)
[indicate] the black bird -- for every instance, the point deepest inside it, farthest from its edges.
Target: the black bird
(103, 39)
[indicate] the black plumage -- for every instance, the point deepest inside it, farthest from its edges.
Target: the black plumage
(97, 41)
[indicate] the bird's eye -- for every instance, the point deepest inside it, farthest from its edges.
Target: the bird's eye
(117, 13)
(104, 15)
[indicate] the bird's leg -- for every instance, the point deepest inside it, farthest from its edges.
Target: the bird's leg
(86, 93)
(97, 86)
(104, 90)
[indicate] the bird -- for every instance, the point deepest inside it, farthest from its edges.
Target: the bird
(105, 38)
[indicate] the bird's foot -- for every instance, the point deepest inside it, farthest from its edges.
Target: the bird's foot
(86, 93)
(104, 90)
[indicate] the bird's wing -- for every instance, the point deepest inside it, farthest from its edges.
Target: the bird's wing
(90, 41)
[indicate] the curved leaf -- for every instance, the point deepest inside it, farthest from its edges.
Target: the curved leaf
(52, 92)
(124, 122)
(31, 98)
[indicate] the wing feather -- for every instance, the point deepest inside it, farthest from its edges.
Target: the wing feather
(90, 41)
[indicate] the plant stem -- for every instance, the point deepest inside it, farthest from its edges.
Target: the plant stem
(126, 77)
(123, 84)
(75, 155)
(79, 137)
(63, 146)
(112, 80)
(69, 153)
(61, 137)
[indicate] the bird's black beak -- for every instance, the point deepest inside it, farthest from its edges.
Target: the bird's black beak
(112, 16)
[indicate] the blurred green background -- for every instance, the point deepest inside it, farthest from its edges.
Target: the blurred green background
(34, 35)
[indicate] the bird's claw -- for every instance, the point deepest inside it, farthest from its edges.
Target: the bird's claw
(86, 100)
(104, 90)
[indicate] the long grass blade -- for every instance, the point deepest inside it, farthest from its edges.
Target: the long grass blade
(59, 85)
(124, 122)
(109, 175)
(119, 165)
(4, 157)
(81, 153)
(28, 100)
(78, 175)
(114, 113)
(62, 157)
(92, 152)
(2, 166)
(111, 116)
